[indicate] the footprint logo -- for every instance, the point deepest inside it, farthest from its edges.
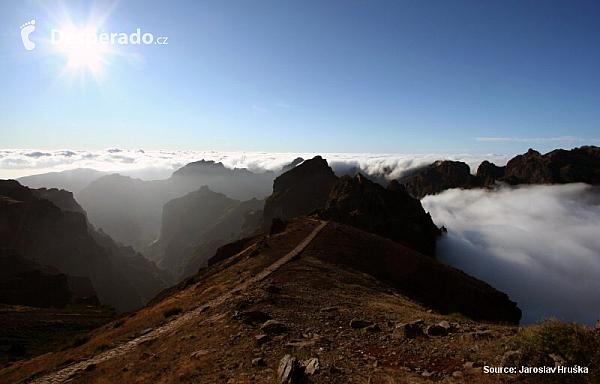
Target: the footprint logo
(26, 29)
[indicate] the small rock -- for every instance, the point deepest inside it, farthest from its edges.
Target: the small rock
(261, 339)
(482, 335)
(252, 317)
(259, 362)
(426, 374)
(90, 367)
(200, 353)
(330, 309)
(457, 374)
(272, 327)
(436, 330)
(289, 370)
(311, 366)
(373, 328)
(408, 331)
(559, 361)
(359, 324)
(127, 367)
(471, 365)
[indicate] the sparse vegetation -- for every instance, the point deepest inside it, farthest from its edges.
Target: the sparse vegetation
(172, 312)
(78, 340)
(458, 316)
(576, 344)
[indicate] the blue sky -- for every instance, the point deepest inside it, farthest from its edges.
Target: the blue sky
(307, 76)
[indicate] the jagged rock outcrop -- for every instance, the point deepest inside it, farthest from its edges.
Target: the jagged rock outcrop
(438, 177)
(488, 173)
(579, 165)
(196, 225)
(559, 166)
(389, 212)
(38, 229)
(299, 191)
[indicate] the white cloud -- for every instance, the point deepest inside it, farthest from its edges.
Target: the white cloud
(161, 163)
(538, 244)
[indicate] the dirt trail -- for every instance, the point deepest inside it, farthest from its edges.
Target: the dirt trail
(72, 370)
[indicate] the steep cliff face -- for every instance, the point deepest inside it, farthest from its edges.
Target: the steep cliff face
(389, 212)
(38, 229)
(299, 191)
(196, 225)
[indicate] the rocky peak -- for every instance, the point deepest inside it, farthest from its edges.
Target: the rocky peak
(438, 177)
(201, 167)
(488, 172)
(299, 191)
(390, 212)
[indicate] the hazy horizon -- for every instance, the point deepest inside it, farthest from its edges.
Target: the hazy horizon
(153, 165)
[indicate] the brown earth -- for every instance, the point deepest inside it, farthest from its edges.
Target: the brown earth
(208, 330)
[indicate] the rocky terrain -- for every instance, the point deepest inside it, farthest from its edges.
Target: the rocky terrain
(292, 307)
(389, 212)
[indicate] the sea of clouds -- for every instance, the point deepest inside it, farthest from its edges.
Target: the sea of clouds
(538, 244)
(160, 164)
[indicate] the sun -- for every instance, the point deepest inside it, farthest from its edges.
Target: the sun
(83, 54)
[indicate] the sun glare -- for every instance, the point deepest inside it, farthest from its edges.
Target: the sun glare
(82, 54)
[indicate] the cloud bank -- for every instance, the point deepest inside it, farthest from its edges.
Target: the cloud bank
(160, 164)
(539, 244)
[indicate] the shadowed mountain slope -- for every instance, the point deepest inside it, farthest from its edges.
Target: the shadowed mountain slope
(195, 225)
(38, 229)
